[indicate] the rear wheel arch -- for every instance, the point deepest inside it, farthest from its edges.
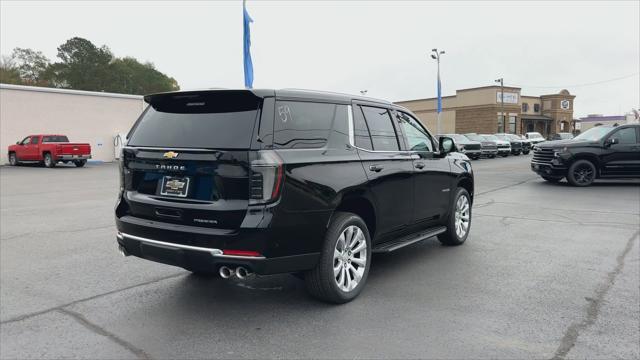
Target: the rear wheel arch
(358, 204)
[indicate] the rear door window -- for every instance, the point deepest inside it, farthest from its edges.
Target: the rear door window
(383, 135)
(303, 125)
(221, 120)
(361, 135)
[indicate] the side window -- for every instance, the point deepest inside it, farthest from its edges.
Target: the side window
(302, 125)
(381, 129)
(34, 140)
(418, 139)
(625, 136)
(361, 134)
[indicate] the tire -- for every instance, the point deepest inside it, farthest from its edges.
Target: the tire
(525, 152)
(550, 179)
(323, 281)
(13, 159)
(48, 161)
(581, 173)
(492, 156)
(80, 163)
(504, 155)
(453, 237)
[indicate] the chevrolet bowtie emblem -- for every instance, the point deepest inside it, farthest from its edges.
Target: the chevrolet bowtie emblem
(170, 155)
(175, 185)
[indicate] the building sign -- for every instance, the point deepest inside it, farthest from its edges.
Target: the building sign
(509, 98)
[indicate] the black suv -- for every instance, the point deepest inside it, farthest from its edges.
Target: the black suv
(600, 152)
(237, 182)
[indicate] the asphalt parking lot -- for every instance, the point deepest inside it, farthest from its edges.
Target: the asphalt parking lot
(549, 271)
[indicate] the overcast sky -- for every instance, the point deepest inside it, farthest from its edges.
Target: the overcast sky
(350, 46)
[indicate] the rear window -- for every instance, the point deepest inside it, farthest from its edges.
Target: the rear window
(304, 125)
(222, 120)
(54, 139)
(382, 132)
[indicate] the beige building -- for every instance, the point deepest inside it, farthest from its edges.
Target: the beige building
(83, 116)
(480, 110)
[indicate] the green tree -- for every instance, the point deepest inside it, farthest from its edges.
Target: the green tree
(31, 65)
(9, 73)
(83, 65)
(127, 75)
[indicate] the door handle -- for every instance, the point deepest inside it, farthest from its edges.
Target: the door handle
(376, 168)
(419, 165)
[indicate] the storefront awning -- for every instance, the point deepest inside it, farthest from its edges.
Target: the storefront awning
(535, 117)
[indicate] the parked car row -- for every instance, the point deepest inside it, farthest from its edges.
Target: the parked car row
(490, 145)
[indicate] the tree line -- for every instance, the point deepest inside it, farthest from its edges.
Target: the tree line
(84, 66)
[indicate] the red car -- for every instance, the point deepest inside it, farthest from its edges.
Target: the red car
(49, 149)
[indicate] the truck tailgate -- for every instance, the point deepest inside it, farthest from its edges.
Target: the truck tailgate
(73, 149)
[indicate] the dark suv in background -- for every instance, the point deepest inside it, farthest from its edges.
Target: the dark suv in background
(600, 152)
(236, 182)
(488, 148)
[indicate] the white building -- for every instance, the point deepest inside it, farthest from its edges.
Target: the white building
(84, 116)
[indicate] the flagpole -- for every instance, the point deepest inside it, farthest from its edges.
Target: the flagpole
(436, 56)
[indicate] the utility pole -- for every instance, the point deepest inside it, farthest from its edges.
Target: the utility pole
(504, 121)
(436, 56)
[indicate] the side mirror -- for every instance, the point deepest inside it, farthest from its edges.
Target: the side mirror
(611, 141)
(17, 142)
(446, 145)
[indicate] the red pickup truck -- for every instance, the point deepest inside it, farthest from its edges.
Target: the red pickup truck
(49, 149)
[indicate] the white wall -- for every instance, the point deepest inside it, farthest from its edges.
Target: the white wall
(83, 116)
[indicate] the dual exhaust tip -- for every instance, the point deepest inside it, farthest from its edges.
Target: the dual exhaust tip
(240, 272)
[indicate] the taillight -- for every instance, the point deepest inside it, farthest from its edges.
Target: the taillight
(266, 177)
(121, 168)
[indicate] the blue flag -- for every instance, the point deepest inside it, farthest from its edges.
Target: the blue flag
(248, 64)
(439, 95)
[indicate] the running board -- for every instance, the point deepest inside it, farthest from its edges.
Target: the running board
(396, 244)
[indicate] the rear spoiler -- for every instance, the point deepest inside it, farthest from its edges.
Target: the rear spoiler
(207, 101)
(157, 97)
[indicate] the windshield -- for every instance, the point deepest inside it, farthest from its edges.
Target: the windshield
(514, 137)
(534, 135)
(502, 137)
(456, 137)
(54, 139)
(566, 136)
(595, 133)
(474, 137)
(490, 137)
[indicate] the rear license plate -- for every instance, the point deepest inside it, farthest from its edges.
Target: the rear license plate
(174, 186)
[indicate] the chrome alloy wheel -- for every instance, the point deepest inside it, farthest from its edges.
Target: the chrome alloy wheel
(349, 258)
(462, 216)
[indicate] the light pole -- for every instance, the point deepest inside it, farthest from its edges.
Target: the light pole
(501, 81)
(435, 54)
